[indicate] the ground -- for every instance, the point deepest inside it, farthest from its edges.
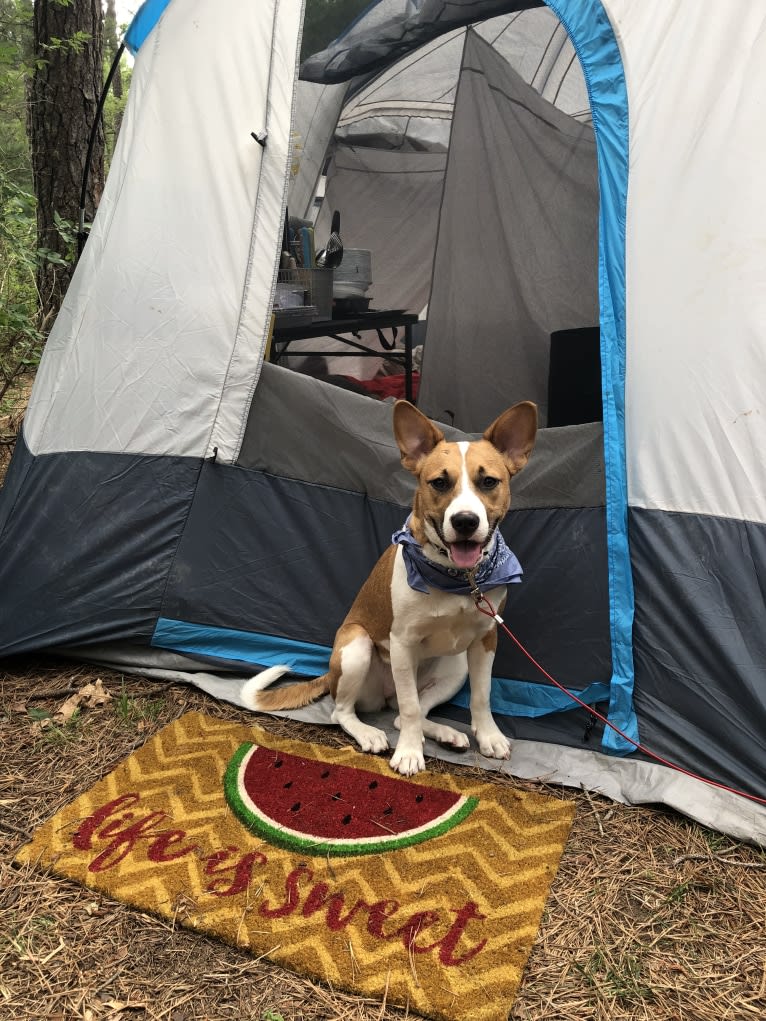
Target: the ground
(650, 916)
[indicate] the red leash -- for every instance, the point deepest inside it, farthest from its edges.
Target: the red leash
(490, 612)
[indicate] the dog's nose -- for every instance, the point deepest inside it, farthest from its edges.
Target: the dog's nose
(464, 522)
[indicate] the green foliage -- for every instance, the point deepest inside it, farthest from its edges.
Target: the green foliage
(134, 712)
(21, 333)
(621, 980)
(15, 55)
(20, 337)
(76, 42)
(114, 108)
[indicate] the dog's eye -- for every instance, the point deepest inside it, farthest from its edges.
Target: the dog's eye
(488, 482)
(441, 483)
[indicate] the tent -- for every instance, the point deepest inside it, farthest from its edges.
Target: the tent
(179, 506)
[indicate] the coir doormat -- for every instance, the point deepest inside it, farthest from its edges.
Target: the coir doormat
(425, 892)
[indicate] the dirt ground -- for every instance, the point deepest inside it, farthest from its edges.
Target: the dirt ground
(650, 916)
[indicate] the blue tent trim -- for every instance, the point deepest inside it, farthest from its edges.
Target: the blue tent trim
(248, 647)
(509, 697)
(149, 13)
(592, 35)
(524, 698)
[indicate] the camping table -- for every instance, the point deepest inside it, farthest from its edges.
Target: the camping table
(347, 328)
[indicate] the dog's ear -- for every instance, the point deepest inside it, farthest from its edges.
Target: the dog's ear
(416, 435)
(513, 434)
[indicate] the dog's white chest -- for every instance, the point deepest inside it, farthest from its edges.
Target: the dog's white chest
(437, 623)
(451, 634)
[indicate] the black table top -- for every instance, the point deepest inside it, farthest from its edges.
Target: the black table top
(371, 320)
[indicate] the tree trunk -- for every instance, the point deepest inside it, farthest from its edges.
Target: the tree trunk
(64, 94)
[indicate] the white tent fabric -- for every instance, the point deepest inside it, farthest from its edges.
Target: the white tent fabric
(186, 289)
(696, 421)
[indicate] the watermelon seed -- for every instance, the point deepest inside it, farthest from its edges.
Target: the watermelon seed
(336, 796)
(288, 784)
(325, 774)
(296, 807)
(373, 785)
(387, 811)
(346, 820)
(419, 798)
(277, 763)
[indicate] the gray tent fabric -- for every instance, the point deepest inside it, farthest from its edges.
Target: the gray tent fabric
(567, 469)
(408, 106)
(693, 691)
(389, 204)
(122, 515)
(390, 29)
(517, 251)
(389, 149)
(313, 125)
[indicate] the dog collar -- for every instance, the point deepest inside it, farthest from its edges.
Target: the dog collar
(499, 567)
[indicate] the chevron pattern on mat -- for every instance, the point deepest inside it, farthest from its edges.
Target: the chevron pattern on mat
(444, 926)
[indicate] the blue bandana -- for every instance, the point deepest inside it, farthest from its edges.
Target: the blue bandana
(499, 567)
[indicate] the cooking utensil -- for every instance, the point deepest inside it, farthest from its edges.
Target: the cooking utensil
(307, 247)
(332, 254)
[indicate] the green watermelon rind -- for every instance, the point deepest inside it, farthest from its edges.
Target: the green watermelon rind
(292, 840)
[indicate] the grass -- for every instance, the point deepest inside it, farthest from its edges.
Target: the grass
(618, 980)
(12, 407)
(137, 712)
(650, 918)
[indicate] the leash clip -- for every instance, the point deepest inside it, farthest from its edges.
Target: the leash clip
(470, 577)
(479, 598)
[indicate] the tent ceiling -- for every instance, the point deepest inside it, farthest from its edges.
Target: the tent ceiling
(390, 29)
(408, 106)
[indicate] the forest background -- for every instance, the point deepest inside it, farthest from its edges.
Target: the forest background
(55, 147)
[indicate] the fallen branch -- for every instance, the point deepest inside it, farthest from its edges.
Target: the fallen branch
(41, 696)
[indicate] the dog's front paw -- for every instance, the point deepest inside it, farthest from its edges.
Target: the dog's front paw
(493, 743)
(371, 739)
(448, 736)
(407, 761)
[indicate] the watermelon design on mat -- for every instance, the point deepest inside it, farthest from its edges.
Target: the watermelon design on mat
(317, 808)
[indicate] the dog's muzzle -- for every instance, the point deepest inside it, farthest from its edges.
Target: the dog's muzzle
(464, 551)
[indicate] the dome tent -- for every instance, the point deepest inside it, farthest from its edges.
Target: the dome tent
(177, 505)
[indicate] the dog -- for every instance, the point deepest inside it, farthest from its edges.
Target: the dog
(414, 630)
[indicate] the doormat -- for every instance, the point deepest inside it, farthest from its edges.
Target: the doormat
(426, 893)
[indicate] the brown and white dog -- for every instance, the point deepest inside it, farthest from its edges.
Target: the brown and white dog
(414, 646)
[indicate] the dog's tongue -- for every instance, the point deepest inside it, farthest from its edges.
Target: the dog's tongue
(465, 554)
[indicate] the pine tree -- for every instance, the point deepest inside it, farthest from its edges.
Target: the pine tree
(64, 93)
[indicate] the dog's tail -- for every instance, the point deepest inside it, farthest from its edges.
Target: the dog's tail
(290, 696)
